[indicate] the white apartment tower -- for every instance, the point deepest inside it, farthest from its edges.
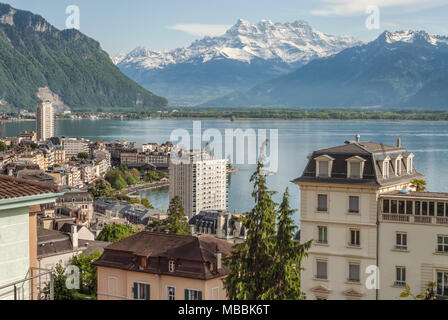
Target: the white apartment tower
(44, 120)
(358, 205)
(201, 182)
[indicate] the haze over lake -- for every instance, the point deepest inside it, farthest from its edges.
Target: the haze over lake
(296, 139)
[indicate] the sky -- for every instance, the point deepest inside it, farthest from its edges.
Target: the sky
(122, 25)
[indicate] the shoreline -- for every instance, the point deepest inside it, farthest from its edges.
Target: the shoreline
(147, 187)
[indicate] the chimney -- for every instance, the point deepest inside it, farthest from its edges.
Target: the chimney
(192, 227)
(357, 138)
(74, 236)
(398, 142)
(218, 260)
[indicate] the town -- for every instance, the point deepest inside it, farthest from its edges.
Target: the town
(68, 202)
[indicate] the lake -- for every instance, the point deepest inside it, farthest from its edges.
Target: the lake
(296, 139)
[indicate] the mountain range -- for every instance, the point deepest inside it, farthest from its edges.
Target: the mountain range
(246, 55)
(38, 61)
(398, 69)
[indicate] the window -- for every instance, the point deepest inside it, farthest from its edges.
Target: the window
(442, 283)
(192, 294)
(322, 202)
(400, 276)
(323, 168)
(440, 209)
(215, 293)
(442, 244)
(353, 272)
(409, 207)
(354, 238)
(322, 234)
(386, 169)
(409, 165)
(386, 205)
(417, 207)
(398, 166)
(393, 206)
(112, 285)
(141, 291)
(431, 208)
(401, 206)
(401, 241)
(170, 293)
(321, 268)
(171, 265)
(355, 170)
(353, 204)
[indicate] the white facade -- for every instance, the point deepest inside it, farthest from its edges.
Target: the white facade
(201, 183)
(44, 121)
(73, 146)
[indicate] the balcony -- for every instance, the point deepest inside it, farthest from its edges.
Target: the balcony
(407, 218)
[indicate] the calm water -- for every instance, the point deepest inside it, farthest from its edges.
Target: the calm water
(427, 140)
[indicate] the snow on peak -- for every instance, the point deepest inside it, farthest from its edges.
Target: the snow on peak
(410, 36)
(294, 42)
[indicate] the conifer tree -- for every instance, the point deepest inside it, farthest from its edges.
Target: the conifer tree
(251, 263)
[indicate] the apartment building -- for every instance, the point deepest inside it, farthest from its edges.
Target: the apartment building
(73, 146)
(160, 266)
(340, 190)
(59, 155)
(200, 180)
(44, 120)
(413, 243)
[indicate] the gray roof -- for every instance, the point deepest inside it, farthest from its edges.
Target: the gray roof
(372, 152)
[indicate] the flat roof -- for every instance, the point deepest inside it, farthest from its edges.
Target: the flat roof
(417, 194)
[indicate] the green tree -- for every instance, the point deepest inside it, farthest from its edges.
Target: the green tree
(119, 182)
(175, 223)
(83, 155)
(147, 203)
(289, 254)
(100, 189)
(88, 272)
(158, 225)
(116, 232)
(3, 146)
(177, 220)
(418, 184)
(61, 292)
(134, 200)
(250, 265)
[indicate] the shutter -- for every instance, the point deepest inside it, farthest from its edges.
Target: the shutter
(199, 295)
(135, 288)
(186, 295)
(148, 291)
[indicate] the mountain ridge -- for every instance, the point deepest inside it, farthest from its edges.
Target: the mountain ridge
(36, 57)
(245, 54)
(390, 71)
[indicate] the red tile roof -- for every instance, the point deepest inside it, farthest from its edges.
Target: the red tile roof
(13, 187)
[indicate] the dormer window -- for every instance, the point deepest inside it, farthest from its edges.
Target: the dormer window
(409, 163)
(398, 165)
(171, 265)
(355, 167)
(385, 169)
(324, 164)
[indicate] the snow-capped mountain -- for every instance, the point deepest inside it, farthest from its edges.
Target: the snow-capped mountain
(288, 42)
(236, 60)
(398, 69)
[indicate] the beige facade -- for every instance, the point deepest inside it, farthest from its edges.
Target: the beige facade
(116, 284)
(44, 120)
(413, 246)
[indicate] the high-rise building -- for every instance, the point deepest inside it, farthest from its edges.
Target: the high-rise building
(373, 233)
(201, 183)
(44, 120)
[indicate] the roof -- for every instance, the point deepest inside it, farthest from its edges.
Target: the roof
(371, 153)
(14, 187)
(193, 252)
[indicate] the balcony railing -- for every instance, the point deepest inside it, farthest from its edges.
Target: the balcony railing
(407, 218)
